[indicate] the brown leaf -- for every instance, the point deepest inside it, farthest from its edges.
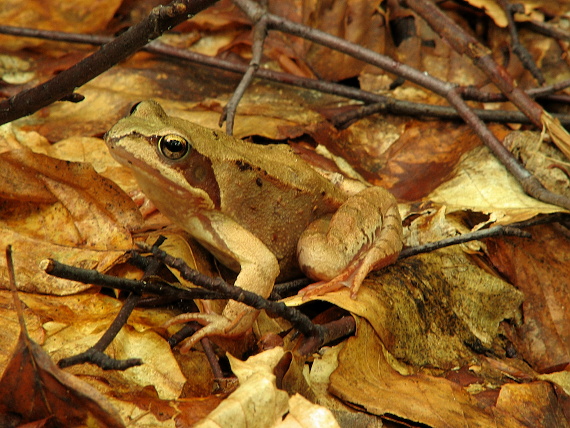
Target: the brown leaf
(366, 379)
(39, 389)
(358, 21)
(80, 16)
(540, 268)
(64, 210)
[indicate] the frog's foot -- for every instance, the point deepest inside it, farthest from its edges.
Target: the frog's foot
(352, 277)
(214, 325)
(323, 287)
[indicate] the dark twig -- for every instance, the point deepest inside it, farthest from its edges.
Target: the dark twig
(333, 330)
(62, 85)
(461, 239)
(523, 54)
(379, 103)
(212, 359)
(259, 35)
(87, 276)
(442, 25)
(95, 354)
(299, 320)
(548, 30)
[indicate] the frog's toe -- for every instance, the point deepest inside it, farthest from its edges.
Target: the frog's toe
(323, 287)
(214, 325)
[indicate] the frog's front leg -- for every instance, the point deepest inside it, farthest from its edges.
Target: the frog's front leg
(230, 242)
(363, 235)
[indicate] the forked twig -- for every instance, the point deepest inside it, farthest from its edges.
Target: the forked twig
(449, 91)
(377, 103)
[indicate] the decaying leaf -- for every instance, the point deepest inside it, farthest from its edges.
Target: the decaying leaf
(40, 390)
(365, 378)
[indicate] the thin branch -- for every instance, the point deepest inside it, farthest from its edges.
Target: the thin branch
(548, 30)
(161, 19)
(299, 320)
(461, 239)
(378, 103)
(229, 112)
(519, 50)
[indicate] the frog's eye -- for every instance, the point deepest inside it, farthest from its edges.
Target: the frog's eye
(173, 146)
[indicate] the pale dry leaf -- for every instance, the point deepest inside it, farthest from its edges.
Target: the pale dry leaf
(561, 379)
(14, 138)
(257, 402)
(542, 159)
(160, 368)
(492, 9)
(15, 70)
(304, 414)
(559, 135)
(480, 183)
(318, 378)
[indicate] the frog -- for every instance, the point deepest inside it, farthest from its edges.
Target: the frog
(260, 210)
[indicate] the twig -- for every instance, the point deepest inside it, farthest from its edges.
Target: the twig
(461, 239)
(95, 353)
(229, 112)
(450, 91)
(299, 320)
(548, 30)
(518, 48)
(88, 276)
(62, 85)
(379, 103)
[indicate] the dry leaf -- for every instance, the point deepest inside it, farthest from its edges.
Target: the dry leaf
(80, 16)
(492, 9)
(304, 414)
(411, 310)
(539, 267)
(257, 402)
(482, 184)
(38, 390)
(63, 210)
(365, 378)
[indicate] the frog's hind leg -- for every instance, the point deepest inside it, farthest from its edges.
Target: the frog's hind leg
(340, 250)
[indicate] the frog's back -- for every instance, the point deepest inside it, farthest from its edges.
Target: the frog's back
(269, 191)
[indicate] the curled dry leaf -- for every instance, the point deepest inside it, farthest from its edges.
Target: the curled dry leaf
(480, 183)
(39, 390)
(257, 402)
